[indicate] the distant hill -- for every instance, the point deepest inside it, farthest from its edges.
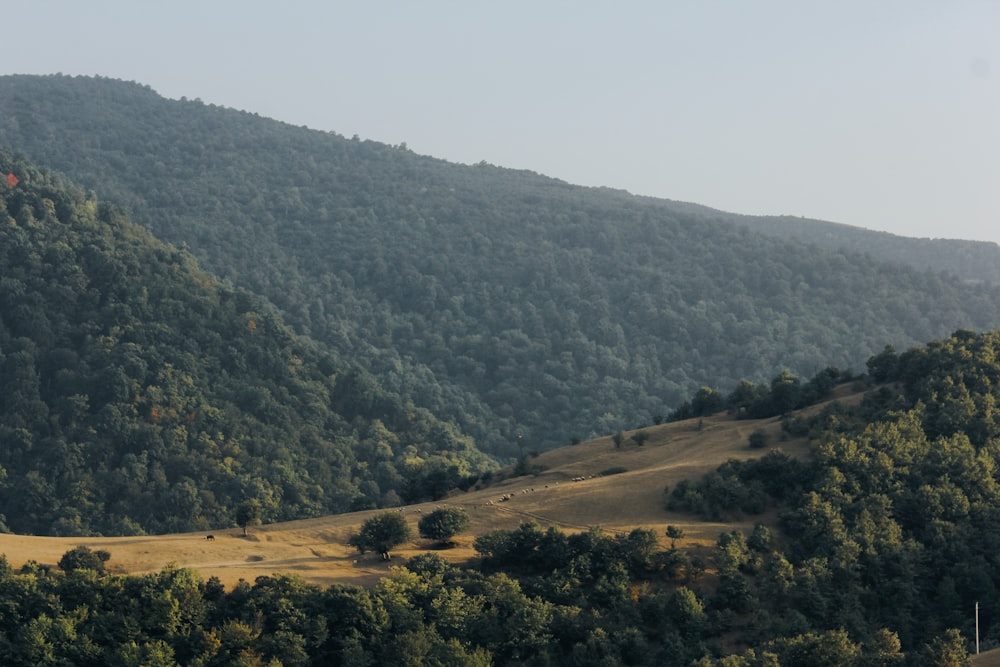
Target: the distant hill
(972, 261)
(138, 393)
(523, 309)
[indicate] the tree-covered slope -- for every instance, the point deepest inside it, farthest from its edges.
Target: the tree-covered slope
(880, 548)
(973, 261)
(526, 310)
(892, 524)
(139, 393)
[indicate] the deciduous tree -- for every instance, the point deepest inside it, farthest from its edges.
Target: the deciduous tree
(381, 533)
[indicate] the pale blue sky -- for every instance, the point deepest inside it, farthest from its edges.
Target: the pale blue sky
(883, 114)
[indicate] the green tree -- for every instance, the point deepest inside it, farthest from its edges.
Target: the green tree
(443, 524)
(83, 558)
(947, 650)
(640, 437)
(381, 533)
(674, 533)
(248, 514)
(832, 648)
(785, 393)
(757, 439)
(686, 611)
(707, 402)
(882, 650)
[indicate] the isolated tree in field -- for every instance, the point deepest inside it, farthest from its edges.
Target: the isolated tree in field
(640, 437)
(83, 558)
(381, 533)
(248, 514)
(674, 533)
(443, 524)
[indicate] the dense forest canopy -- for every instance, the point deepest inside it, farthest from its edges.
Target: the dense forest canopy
(885, 541)
(973, 261)
(140, 393)
(525, 310)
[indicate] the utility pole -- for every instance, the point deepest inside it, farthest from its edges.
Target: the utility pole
(977, 628)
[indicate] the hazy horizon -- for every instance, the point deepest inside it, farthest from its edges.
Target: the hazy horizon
(874, 115)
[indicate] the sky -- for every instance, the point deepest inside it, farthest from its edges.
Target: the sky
(884, 115)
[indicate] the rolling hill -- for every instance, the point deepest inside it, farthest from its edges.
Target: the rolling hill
(317, 549)
(138, 393)
(524, 310)
(869, 543)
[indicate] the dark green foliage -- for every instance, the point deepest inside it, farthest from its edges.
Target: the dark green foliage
(248, 514)
(975, 261)
(500, 300)
(443, 524)
(893, 526)
(757, 439)
(706, 401)
(84, 558)
(140, 394)
(740, 487)
(640, 437)
(884, 366)
(529, 550)
(674, 533)
(381, 533)
(947, 650)
(526, 467)
(784, 393)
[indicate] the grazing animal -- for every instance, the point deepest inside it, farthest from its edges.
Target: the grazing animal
(210, 538)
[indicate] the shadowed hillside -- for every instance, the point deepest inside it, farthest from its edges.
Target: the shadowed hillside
(525, 310)
(138, 393)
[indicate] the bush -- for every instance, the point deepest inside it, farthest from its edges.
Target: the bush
(757, 439)
(640, 437)
(443, 524)
(83, 558)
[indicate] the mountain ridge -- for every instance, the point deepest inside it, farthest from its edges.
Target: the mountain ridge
(526, 310)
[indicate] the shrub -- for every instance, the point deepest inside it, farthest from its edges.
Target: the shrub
(83, 558)
(443, 524)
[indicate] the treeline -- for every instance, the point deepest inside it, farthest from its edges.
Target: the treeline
(507, 303)
(786, 392)
(973, 261)
(894, 521)
(139, 393)
(584, 599)
(886, 538)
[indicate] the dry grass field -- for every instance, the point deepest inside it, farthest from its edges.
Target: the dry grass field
(316, 549)
(987, 659)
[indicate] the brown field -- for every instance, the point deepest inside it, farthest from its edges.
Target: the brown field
(316, 549)
(987, 658)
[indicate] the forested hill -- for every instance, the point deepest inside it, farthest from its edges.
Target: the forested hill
(138, 393)
(974, 261)
(527, 310)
